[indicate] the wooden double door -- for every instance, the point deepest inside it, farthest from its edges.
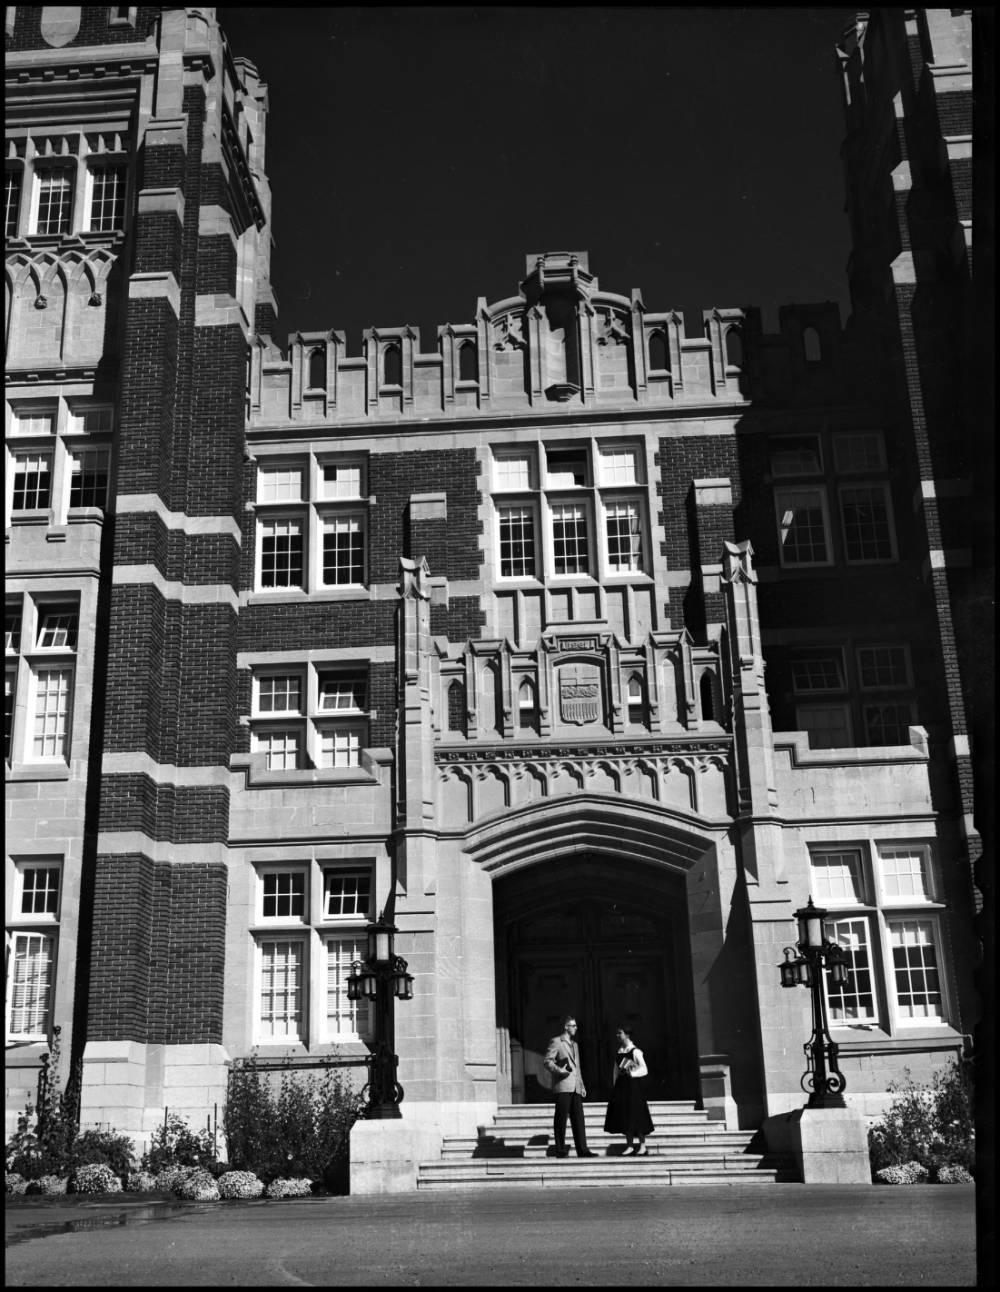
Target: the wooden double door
(609, 958)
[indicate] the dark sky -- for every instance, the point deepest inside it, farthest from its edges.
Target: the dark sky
(418, 154)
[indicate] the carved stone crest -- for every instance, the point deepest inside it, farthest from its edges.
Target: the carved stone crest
(509, 334)
(580, 694)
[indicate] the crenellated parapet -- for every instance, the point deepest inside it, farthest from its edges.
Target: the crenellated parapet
(560, 343)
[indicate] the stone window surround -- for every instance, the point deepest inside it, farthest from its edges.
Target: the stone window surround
(852, 695)
(25, 662)
(310, 720)
(67, 433)
(79, 161)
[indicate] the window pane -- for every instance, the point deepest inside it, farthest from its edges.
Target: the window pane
(32, 481)
(93, 421)
(859, 451)
(344, 1017)
(855, 1001)
(618, 467)
(341, 746)
(517, 543)
(569, 539)
(52, 688)
(280, 694)
(279, 484)
(12, 627)
(342, 691)
(904, 873)
(344, 551)
(281, 745)
(107, 200)
(803, 536)
(342, 479)
(12, 201)
(624, 537)
(9, 690)
(888, 724)
(817, 671)
(31, 985)
(281, 554)
(513, 472)
(40, 890)
(89, 478)
(566, 468)
(828, 725)
(57, 627)
(346, 893)
(883, 666)
(837, 876)
(55, 202)
(866, 524)
(284, 894)
(281, 989)
(34, 423)
(796, 455)
(914, 959)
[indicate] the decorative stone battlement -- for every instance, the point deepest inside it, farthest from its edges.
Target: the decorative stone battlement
(561, 343)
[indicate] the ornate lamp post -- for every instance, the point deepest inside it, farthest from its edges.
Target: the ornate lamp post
(382, 977)
(822, 1078)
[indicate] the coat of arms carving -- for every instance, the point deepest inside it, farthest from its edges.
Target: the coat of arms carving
(579, 694)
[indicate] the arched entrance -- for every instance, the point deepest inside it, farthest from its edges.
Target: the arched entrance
(606, 940)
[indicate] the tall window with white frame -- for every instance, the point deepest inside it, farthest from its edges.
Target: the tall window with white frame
(53, 665)
(58, 463)
(32, 941)
(886, 911)
(887, 704)
(13, 182)
(309, 928)
(312, 525)
(819, 684)
(106, 207)
(13, 614)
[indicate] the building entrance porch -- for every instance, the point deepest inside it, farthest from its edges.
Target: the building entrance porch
(606, 940)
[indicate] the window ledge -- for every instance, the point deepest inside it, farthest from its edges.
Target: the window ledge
(41, 516)
(368, 773)
(294, 596)
(39, 773)
(85, 515)
(877, 1041)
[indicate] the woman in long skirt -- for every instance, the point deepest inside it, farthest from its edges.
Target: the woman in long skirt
(628, 1112)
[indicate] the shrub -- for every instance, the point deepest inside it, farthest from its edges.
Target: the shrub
(140, 1182)
(239, 1184)
(929, 1124)
(301, 1130)
(97, 1146)
(289, 1189)
(44, 1140)
(96, 1178)
(199, 1186)
(170, 1179)
(908, 1173)
(176, 1144)
(15, 1183)
(953, 1175)
(49, 1185)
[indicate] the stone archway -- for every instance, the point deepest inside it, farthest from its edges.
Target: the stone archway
(606, 939)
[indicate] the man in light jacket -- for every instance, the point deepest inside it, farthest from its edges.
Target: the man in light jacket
(562, 1059)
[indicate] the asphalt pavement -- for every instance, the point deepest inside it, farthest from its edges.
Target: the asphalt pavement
(784, 1235)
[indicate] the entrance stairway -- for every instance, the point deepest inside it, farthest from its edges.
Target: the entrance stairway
(685, 1148)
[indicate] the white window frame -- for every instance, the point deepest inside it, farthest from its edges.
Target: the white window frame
(26, 453)
(906, 682)
(554, 503)
(15, 209)
(779, 473)
(612, 499)
(606, 455)
(780, 508)
(42, 168)
(520, 453)
(360, 1012)
(313, 509)
(581, 450)
(95, 163)
(300, 938)
(868, 709)
(508, 503)
(310, 721)
(290, 921)
(802, 655)
(58, 430)
(843, 441)
(877, 486)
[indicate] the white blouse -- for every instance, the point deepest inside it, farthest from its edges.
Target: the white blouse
(636, 1066)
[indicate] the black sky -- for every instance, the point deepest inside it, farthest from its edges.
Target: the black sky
(417, 154)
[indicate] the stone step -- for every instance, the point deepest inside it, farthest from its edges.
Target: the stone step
(572, 1173)
(607, 1145)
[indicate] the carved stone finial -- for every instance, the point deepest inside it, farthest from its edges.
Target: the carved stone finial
(737, 562)
(414, 579)
(41, 302)
(95, 299)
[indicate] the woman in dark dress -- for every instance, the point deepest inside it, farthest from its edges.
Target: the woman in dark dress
(628, 1112)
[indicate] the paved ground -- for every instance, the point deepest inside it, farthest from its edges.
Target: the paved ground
(709, 1236)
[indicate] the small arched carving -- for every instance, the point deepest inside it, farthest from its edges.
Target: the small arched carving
(811, 347)
(457, 707)
(706, 690)
(734, 348)
(392, 366)
(317, 368)
(468, 363)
